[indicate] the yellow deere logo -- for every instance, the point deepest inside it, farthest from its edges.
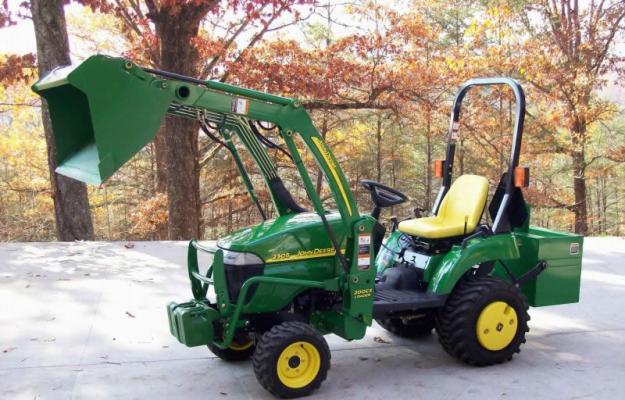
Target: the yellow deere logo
(302, 255)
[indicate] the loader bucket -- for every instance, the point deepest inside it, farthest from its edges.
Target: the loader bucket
(103, 111)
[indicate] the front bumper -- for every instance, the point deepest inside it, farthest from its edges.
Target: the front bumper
(199, 321)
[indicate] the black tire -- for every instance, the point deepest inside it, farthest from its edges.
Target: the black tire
(242, 348)
(457, 322)
(283, 339)
(411, 327)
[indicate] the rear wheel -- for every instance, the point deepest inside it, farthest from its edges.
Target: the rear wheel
(484, 321)
(291, 360)
(409, 327)
(241, 348)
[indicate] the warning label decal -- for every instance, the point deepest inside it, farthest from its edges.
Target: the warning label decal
(239, 105)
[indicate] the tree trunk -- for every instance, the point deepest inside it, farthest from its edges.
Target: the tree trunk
(394, 168)
(580, 206)
(378, 148)
(183, 182)
(229, 225)
(71, 204)
(579, 190)
(460, 155)
(160, 178)
(590, 217)
(428, 161)
(597, 221)
(604, 206)
(618, 214)
(176, 28)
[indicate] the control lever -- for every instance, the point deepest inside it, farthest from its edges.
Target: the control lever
(483, 231)
(394, 223)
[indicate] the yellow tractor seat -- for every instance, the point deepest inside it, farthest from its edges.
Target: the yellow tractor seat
(459, 213)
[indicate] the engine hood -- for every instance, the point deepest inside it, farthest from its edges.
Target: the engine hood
(287, 238)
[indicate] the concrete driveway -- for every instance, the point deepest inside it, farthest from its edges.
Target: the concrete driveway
(87, 321)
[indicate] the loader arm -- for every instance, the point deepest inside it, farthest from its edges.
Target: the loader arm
(107, 109)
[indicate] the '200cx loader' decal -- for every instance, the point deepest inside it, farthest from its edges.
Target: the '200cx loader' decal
(362, 293)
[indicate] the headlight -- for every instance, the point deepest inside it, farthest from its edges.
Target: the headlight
(238, 258)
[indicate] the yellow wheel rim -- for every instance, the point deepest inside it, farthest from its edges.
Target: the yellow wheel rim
(298, 365)
(241, 346)
(496, 326)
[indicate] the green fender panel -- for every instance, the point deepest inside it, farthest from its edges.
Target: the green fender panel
(458, 261)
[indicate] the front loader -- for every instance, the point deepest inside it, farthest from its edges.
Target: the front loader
(272, 290)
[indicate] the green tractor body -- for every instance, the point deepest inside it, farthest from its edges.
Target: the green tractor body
(513, 255)
(274, 288)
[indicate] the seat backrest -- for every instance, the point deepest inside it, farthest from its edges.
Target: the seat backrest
(465, 200)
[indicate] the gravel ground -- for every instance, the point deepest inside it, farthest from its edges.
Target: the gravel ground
(87, 321)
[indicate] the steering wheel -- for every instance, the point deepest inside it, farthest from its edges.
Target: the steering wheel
(382, 196)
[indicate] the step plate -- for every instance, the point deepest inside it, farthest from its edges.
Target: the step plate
(389, 301)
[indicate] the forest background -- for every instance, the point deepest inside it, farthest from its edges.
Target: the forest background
(378, 78)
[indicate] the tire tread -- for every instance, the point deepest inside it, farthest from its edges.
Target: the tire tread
(452, 320)
(272, 343)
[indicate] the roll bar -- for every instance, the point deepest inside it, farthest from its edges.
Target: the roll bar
(517, 136)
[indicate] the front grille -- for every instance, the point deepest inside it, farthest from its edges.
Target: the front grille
(236, 275)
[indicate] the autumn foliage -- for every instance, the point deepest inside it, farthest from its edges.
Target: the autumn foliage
(378, 80)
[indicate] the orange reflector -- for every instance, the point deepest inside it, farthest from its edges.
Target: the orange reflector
(521, 177)
(438, 168)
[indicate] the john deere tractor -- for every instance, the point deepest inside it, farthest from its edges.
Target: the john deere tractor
(271, 291)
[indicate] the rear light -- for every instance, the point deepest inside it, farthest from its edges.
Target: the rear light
(438, 168)
(521, 177)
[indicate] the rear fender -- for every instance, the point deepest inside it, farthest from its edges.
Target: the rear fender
(460, 260)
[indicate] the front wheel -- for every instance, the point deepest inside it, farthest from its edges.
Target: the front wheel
(241, 348)
(291, 360)
(484, 321)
